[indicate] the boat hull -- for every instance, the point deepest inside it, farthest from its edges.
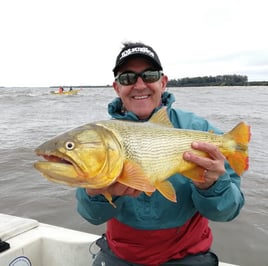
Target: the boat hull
(34, 243)
(72, 92)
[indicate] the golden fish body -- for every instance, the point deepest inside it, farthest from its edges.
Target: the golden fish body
(140, 155)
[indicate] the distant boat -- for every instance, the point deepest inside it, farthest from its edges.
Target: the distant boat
(69, 92)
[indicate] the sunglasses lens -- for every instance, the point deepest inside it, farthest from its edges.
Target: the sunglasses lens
(130, 78)
(150, 76)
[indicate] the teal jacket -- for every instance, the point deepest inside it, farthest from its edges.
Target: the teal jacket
(221, 202)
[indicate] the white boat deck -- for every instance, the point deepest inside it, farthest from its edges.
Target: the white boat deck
(37, 244)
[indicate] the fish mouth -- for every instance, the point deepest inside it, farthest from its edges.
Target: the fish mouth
(59, 168)
(56, 159)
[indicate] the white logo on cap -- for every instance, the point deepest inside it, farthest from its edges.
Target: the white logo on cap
(143, 50)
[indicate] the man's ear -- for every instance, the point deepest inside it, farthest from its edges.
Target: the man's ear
(164, 81)
(116, 87)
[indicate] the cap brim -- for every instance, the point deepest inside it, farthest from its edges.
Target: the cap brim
(124, 60)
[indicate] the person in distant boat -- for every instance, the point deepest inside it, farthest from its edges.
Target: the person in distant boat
(151, 230)
(61, 90)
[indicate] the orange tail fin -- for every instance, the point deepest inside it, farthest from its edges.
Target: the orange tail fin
(236, 147)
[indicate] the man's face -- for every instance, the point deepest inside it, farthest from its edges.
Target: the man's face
(140, 98)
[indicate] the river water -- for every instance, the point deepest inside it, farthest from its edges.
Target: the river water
(30, 116)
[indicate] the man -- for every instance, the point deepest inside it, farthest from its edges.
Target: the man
(150, 230)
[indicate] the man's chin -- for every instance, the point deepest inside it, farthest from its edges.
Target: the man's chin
(143, 113)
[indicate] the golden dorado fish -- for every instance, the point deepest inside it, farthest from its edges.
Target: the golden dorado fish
(141, 155)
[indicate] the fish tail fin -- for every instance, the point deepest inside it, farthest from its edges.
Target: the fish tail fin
(235, 147)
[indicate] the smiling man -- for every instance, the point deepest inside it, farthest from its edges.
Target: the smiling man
(150, 230)
(139, 80)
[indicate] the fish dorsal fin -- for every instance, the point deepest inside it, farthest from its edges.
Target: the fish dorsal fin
(161, 118)
(133, 176)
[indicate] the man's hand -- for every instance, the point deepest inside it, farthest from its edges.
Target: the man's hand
(213, 165)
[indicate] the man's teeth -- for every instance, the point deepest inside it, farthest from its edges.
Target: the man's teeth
(140, 97)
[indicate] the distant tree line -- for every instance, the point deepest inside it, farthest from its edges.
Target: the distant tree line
(224, 80)
(220, 80)
(258, 83)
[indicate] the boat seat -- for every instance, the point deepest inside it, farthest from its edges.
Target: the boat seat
(11, 226)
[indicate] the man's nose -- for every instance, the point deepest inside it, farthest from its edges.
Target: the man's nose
(140, 84)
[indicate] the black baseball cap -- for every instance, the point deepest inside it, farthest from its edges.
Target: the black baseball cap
(137, 50)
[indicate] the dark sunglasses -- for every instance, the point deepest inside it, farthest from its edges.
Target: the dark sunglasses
(130, 78)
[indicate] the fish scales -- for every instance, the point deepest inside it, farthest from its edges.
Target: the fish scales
(152, 145)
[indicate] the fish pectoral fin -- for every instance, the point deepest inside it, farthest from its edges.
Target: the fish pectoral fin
(196, 174)
(133, 176)
(167, 190)
(108, 196)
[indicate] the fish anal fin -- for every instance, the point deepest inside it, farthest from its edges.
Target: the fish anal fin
(108, 196)
(167, 190)
(149, 193)
(161, 118)
(133, 176)
(196, 174)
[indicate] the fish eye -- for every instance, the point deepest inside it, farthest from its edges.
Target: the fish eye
(69, 145)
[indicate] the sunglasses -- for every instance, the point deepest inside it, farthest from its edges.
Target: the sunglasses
(130, 78)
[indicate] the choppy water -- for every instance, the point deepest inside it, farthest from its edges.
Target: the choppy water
(29, 116)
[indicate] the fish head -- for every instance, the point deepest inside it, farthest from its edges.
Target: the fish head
(88, 156)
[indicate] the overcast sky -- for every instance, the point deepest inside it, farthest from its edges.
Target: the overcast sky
(75, 42)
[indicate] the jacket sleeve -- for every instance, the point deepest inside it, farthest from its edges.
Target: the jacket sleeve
(222, 201)
(97, 209)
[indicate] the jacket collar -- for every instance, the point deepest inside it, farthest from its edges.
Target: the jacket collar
(116, 109)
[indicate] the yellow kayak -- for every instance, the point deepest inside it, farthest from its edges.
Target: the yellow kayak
(72, 92)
